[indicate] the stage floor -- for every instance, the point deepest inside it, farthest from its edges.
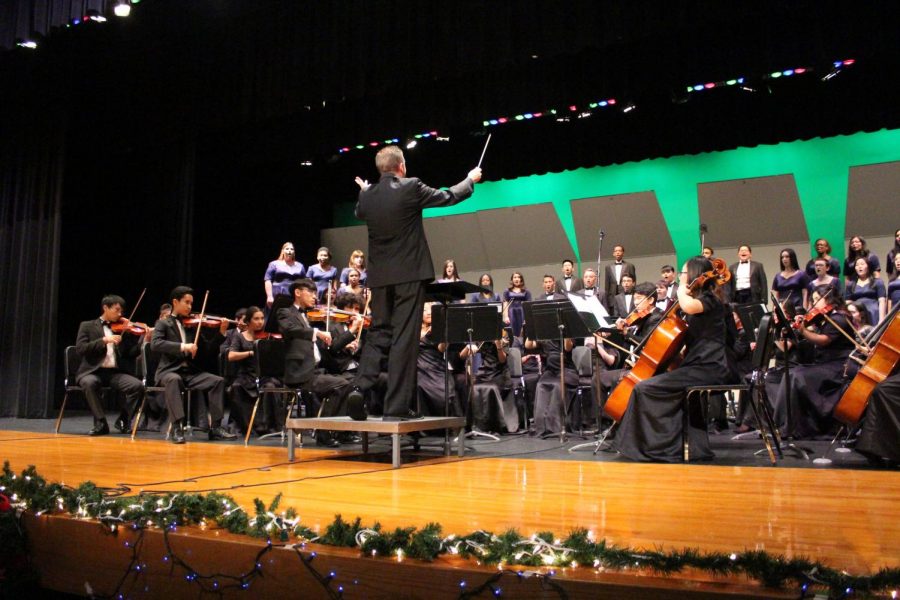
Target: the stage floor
(846, 518)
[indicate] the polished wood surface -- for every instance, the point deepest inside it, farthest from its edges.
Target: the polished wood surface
(849, 519)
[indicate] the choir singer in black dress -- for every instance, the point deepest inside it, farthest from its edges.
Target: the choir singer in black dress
(651, 427)
(399, 267)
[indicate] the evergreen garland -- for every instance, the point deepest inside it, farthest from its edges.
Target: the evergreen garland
(30, 491)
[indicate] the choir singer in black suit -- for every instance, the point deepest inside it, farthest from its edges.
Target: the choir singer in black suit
(613, 273)
(399, 266)
(748, 279)
(178, 369)
(103, 357)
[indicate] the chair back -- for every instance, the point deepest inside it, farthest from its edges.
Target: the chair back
(72, 362)
(514, 362)
(269, 356)
(581, 356)
(765, 343)
(146, 370)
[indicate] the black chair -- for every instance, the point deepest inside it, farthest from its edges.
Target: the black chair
(268, 356)
(756, 390)
(147, 374)
(584, 366)
(517, 376)
(71, 362)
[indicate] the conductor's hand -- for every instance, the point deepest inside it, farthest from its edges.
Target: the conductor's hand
(475, 174)
(362, 183)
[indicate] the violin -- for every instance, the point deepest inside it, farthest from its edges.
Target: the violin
(639, 313)
(126, 326)
(267, 335)
(813, 315)
(321, 313)
(209, 321)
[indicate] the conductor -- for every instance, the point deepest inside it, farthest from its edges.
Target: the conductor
(399, 267)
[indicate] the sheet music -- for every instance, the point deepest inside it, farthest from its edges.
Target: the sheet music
(593, 306)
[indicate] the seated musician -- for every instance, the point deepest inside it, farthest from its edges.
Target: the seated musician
(491, 371)
(651, 427)
(244, 389)
(816, 388)
(178, 367)
(302, 357)
(431, 370)
(548, 408)
(104, 363)
(879, 440)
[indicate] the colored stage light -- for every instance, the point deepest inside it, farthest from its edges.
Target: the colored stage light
(122, 8)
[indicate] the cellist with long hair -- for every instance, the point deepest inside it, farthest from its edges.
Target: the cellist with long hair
(651, 427)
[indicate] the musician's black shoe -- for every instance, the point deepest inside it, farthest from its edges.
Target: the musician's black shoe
(410, 415)
(220, 433)
(323, 438)
(348, 437)
(356, 405)
(121, 424)
(101, 427)
(178, 432)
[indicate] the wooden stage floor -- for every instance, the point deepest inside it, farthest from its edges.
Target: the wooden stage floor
(848, 519)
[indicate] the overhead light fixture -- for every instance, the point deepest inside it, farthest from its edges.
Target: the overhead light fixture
(30, 44)
(629, 107)
(411, 144)
(122, 8)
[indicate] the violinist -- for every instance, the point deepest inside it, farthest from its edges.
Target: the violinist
(816, 388)
(859, 318)
(323, 273)
(281, 273)
(104, 357)
(341, 357)
(179, 368)
(548, 410)
(651, 427)
(165, 310)
(244, 391)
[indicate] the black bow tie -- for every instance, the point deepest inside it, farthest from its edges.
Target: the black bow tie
(105, 323)
(569, 277)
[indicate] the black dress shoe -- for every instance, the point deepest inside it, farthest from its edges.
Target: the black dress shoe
(410, 415)
(348, 437)
(356, 405)
(101, 427)
(178, 433)
(220, 433)
(121, 425)
(326, 440)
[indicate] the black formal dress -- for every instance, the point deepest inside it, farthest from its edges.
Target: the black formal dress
(880, 436)
(92, 375)
(430, 380)
(549, 411)
(399, 265)
(177, 370)
(245, 393)
(652, 425)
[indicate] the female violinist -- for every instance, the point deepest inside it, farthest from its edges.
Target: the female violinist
(651, 427)
(244, 387)
(281, 273)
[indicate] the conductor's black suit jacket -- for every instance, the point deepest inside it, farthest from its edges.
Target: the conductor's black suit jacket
(392, 209)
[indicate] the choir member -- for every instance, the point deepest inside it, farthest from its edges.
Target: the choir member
(107, 361)
(823, 277)
(590, 289)
(823, 251)
(450, 272)
(667, 274)
(323, 273)
(243, 389)
(624, 303)
(613, 273)
(513, 297)
(179, 368)
(868, 290)
(431, 369)
(663, 302)
(707, 252)
(281, 273)
(485, 281)
(549, 290)
(858, 249)
(357, 261)
(893, 289)
(748, 279)
(569, 282)
(354, 285)
(890, 261)
(791, 283)
(651, 429)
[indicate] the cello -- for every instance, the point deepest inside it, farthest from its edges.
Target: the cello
(661, 346)
(880, 363)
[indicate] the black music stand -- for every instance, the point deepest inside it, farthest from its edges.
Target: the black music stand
(469, 323)
(444, 293)
(556, 320)
(786, 332)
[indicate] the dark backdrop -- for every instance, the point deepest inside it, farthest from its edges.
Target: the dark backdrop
(166, 148)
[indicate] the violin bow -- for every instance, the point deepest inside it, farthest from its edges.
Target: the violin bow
(365, 310)
(200, 321)
(328, 309)
(136, 304)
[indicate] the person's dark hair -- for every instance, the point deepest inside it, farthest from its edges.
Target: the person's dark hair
(180, 292)
(863, 250)
(619, 246)
(666, 269)
(827, 245)
(111, 300)
(522, 277)
(792, 256)
(628, 275)
(347, 300)
(864, 317)
(242, 312)
(389, 159)
(546, 275)
(351, 270)
(325, 250)
(825, 291)
(303, 284)
(568, 260)
(645, 288)
(491, 279)
(165, 306)
(454, 274)
(711, 251)
(696, 267)
(747, 246)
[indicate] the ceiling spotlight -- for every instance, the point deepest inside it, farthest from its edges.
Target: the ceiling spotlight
(306, 163)
(411, 144)
(30, 44)
(443, 139)
(122, 8)
(831, 74)
(628, 107)
(748, 88)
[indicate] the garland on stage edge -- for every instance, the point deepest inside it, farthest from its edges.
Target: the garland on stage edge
(30, 491)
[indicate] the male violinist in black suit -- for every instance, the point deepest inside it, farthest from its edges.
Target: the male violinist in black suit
(399, 266)
(748, 279)
(613, 273)
(104, 362)
(302, 356)
(177, 367)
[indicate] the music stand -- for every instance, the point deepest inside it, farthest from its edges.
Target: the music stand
(556, 320)
(444, 293)
(469, 323)
(751, 315)
(786, 331)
